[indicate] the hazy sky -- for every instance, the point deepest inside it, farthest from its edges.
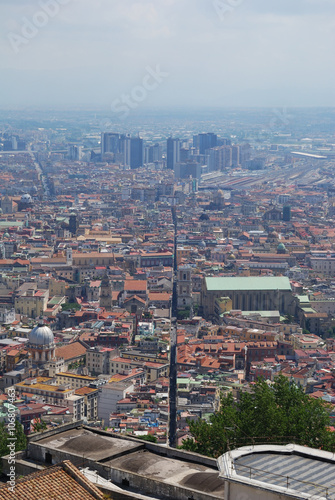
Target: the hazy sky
(210, 52)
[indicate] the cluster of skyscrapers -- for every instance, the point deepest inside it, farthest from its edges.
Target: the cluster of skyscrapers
(126, 150)
(208, 153)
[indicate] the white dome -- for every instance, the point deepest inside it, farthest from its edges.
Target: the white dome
(41, 335)
(26, 198)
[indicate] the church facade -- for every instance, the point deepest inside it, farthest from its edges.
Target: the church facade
(248, 294)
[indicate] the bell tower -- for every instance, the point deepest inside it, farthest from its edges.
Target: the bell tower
(184, 282)
(105, 293)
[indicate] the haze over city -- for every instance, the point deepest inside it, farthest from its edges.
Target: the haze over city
(167, 250)
(214, 53)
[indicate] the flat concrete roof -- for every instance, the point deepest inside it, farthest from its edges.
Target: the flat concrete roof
(171, 470)
(82, 442)
(297, 470)
(130, 456)
(248, 283)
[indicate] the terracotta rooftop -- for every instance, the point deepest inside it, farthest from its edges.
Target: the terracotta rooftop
(160, 296)
(83, 391)
(135, 285)
(134, 297)
(57, 483)
(70, 351)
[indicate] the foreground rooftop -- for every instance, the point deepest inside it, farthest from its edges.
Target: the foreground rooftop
(138, 465)
(292, 471)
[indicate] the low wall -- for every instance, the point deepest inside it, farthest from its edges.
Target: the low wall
(163, 490)
(165, 451)
(238, 491)
(37, 436)
(22, 467)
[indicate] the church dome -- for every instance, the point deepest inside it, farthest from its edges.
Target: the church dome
(41, 335)
(26, 198)
(281, 248)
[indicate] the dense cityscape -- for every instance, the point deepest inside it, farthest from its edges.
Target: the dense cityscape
(167, 250)
(152, 266)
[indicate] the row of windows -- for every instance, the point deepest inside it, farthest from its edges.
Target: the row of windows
(260, 353)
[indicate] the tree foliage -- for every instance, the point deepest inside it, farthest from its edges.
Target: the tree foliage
(288, 319)
(68, 306)
(147, 437)
(183, 314)
(39, 425)
(20, 439)
(280, 413)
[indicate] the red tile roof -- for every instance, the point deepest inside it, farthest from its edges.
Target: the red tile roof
(134, 297)
(62, 481)
(70, 351)
(135, 285)
(164, 296)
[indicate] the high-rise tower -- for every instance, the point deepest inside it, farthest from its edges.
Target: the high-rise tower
(132, 148)
(110, 143)
(203, 142)
(173, 153)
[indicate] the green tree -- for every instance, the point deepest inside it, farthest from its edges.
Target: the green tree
(147, 437)
(20, 439)
(289, 319)
(331, 332)
(67, 306)
(3, 439)
(280, 413)
(39, 425)
(183, 314)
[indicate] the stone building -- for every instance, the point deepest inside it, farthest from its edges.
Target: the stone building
(248, 294)
(7, 205)
(31, 302)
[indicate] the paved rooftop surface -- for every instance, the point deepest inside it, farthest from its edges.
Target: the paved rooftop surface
(82, 442)
(131, 456)
(170, 470)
